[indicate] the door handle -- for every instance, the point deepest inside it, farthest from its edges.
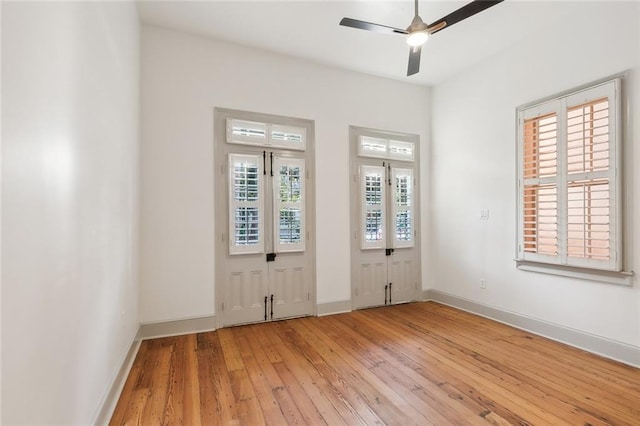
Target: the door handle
(264, 162)
(272, 306)
(271, 155)
(265, 307)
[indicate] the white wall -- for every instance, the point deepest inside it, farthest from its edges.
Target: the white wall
(70, 81)
(473, 167)
(183, 78)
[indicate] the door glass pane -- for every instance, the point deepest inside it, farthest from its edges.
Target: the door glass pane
(373, 197)
(290, 226)
(289, 184)
(373, 190)
(373, 226)
(247, 226)
(404, 228)
(245, 182)
(402, 207)
(289, 204)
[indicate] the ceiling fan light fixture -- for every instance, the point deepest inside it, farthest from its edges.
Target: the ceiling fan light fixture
(417, 38)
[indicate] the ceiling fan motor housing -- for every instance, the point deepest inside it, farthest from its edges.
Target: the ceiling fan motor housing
(417, 25)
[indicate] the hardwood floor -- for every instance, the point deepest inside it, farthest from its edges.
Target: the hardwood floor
(421, 363)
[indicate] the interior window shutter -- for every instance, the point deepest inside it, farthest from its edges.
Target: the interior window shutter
(593, 214)
(288, 201)
(402, 199)
(539, 184)
(246, 204)
(372, 207)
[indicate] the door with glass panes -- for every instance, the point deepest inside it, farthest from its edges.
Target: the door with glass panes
(385, 266)
(266, 268)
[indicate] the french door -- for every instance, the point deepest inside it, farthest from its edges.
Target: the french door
(265, 268)
(385, 265)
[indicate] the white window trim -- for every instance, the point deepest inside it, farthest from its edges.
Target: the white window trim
(577, 269)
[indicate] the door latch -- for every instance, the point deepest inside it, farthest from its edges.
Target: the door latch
(388, 252)
(271, 257)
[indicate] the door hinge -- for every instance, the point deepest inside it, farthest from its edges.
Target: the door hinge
(222, 306)
(222, 237)
(308, 296)
(356, 291)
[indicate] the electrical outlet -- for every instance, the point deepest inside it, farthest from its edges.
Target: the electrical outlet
(484, 214)
(483, 283)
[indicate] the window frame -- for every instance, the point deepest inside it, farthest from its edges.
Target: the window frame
(611, 270)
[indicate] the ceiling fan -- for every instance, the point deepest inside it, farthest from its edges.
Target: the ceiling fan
(418, 32)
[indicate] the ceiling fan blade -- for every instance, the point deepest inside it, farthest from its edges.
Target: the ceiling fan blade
(414, 60)
(362, 25)
(464, 12)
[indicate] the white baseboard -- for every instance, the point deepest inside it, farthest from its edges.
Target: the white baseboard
(336, 307)
(113, 394)
(178, 327)
(617, 351)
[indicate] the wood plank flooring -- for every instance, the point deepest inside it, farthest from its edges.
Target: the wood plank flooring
(420, 363)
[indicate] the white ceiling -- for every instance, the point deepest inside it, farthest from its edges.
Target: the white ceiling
(310, 30)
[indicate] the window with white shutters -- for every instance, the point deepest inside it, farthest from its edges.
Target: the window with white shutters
(246, 205)
(569, 180)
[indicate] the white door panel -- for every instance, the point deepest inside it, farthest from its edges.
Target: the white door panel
(246, 290)
(371, 279)
(401, 276)
(289, 278)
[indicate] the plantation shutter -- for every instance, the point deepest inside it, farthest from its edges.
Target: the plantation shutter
(539, 184)
(372, 207)
(569, 193)
(593, 211)
(246, 204)
(288, 201)
(402, 194)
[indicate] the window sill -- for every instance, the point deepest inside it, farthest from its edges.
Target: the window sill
(611, 277)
